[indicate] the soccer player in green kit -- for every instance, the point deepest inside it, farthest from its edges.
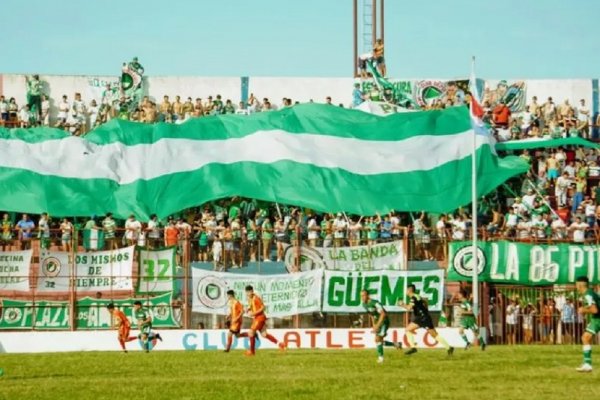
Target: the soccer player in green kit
(144, 322)
(468, 320)
(591, 306)
(420, 319)
(380, 323)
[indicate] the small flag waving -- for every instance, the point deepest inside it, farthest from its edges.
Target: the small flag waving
(93, 239)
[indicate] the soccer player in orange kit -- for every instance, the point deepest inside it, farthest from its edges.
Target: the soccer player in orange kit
(122, 324)
(256, 309)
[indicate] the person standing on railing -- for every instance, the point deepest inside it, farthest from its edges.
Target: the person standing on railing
(6, 232)
(44, 231)
(66, 238)
(339, 230)
(110, 226)
(267, 238)
(25, 227)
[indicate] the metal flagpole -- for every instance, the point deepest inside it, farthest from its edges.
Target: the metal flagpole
(474, 257)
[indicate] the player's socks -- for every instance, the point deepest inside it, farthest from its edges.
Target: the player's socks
(122, 343)
(271, 338)
(411, 339)
(440, 339)
(464, 337)
(252, 344)
(131, 338)
(229, 341)
(245, 334)
(587, 354)
(380, 349)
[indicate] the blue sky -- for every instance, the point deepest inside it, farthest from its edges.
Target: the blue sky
(434, 38)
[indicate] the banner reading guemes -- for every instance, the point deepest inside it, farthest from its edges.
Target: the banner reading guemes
(342, 289)
(284, 295)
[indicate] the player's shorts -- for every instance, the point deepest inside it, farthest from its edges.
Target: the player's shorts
(468, 323)
(146, 330)
(423, 322)
(235, 328)
(124, 331)
(382, 332)
(594, 326)
(258, 323)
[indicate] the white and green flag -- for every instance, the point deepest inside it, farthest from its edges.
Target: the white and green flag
(93, 239)
(317, 156)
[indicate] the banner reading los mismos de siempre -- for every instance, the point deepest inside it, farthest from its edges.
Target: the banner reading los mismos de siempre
(525, 263)
(90, 313)
(94, 272)
(315, 290)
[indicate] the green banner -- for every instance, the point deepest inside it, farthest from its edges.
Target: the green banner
(525, 263)
(91, 313)
(157, 270)
(341, 291)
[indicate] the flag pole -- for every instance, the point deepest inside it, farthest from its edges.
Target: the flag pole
(474, 256)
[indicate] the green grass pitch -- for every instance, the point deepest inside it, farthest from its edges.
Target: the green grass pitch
(522, 372)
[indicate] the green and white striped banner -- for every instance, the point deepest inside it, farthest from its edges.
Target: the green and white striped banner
(316, 156)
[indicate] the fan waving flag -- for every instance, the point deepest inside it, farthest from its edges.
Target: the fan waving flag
(317, 156)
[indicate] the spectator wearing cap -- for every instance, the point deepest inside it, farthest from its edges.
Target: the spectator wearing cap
(340, 226)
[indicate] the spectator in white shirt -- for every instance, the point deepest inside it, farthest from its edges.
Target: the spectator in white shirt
(153, 232)
(512, 318)
(459, 227)
(560, 191)
(529, 199)
(132, 230)
(25, 116)
(578, 228)
(63, 112)
(524, 228)
(45, 111)
(559, 228)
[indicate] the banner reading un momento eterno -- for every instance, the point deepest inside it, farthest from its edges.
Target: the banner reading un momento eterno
(284, 295)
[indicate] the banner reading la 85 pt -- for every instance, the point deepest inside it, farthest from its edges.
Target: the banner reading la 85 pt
(525, 263)
(342, 289)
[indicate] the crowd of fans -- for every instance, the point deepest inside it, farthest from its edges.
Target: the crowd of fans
(78, 117)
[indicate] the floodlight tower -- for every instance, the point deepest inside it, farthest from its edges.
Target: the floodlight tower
(371, 16)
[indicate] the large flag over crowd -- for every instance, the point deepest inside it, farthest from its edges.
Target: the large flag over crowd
(317, 156)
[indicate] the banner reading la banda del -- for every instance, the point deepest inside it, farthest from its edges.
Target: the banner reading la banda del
(342, 289)
(95, 271)
(382, 256)
(14, 270)
(525, 263)
(284, 294)
(90, 313)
